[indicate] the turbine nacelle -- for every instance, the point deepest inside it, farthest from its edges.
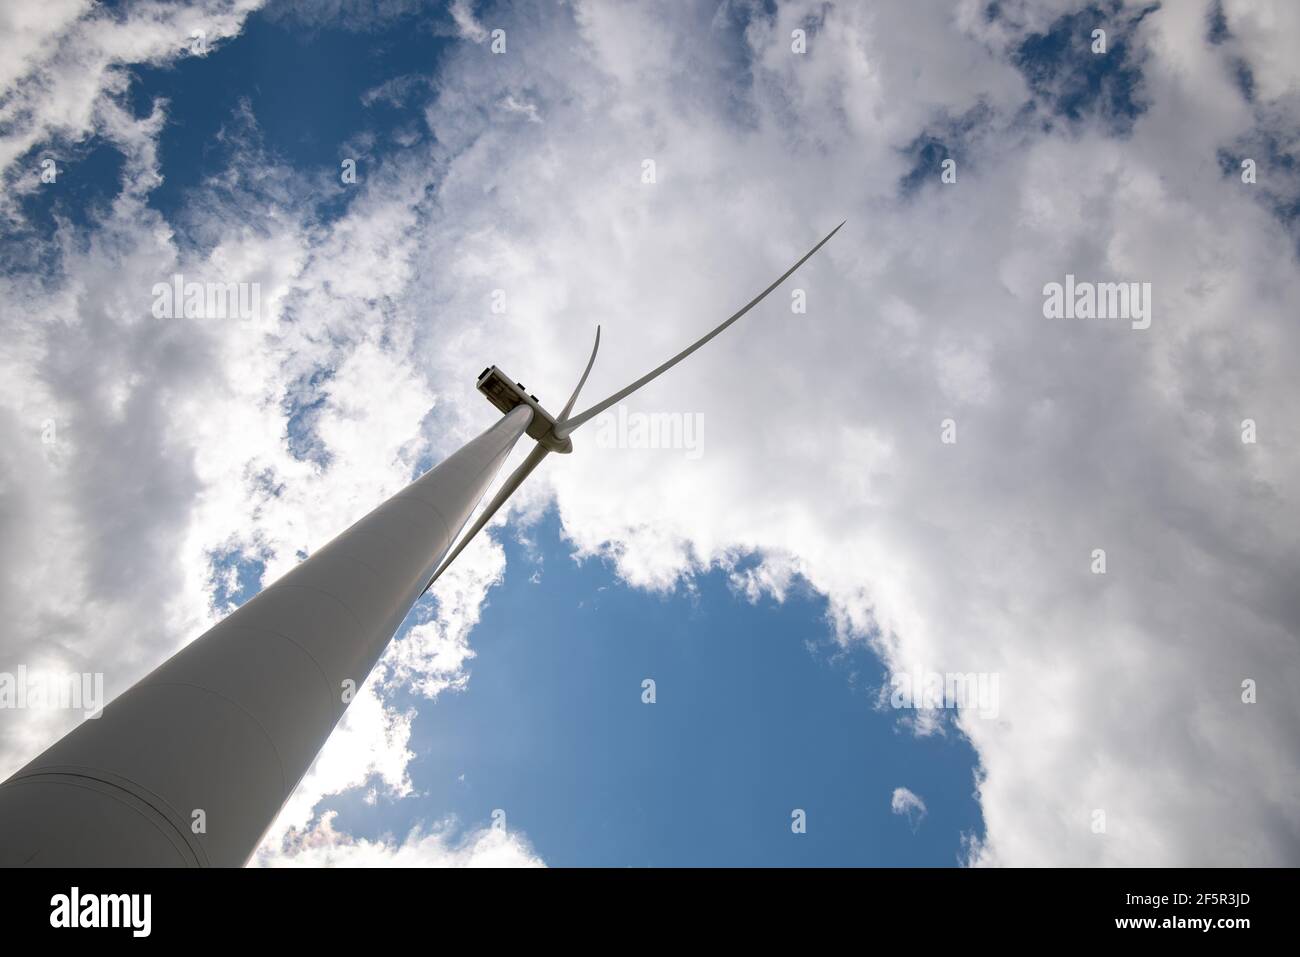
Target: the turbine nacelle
(508, 395)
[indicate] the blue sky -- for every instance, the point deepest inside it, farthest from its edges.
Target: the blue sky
(772, 586)
(757, 712)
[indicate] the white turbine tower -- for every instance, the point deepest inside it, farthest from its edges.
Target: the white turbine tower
(190, 766)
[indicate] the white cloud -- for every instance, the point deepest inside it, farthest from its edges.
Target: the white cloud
(61, 69)
(325, 847)
(520, 107)
(462, 12)
(1266, 33)
(906, 804)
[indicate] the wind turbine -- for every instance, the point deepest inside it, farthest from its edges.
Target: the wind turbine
(191, 765)
(553, 434)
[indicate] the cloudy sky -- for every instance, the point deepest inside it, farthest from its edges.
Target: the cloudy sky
(902, 467)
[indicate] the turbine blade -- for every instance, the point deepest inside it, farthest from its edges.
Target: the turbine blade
(564, 428)
(568, 406)
(507, 489)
